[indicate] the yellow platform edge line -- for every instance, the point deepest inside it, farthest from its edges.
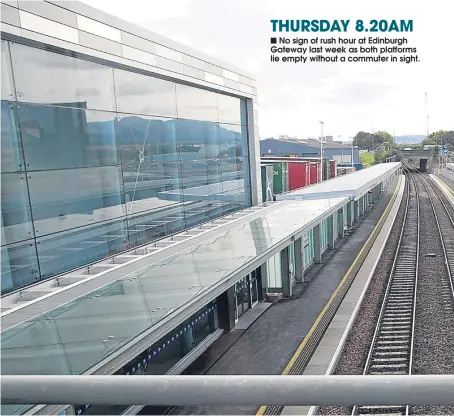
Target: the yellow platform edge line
(297, 353)
(448, 188)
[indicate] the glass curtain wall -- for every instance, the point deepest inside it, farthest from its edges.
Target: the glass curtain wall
(95, 160)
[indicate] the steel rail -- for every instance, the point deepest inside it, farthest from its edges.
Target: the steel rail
(390, 334)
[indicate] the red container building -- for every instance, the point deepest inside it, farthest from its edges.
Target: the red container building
(298, 175)
(332, 168)
(314, 172)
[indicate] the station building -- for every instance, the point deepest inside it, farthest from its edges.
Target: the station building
(103, 125)
(133, 232)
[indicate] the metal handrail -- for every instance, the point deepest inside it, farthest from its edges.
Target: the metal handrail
(229, 390)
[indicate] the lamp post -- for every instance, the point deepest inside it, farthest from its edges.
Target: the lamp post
(321, 150)
(352, 149)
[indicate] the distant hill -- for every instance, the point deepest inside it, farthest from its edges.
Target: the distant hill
(411, 138)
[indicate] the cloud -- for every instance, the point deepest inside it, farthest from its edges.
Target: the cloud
(294, 97)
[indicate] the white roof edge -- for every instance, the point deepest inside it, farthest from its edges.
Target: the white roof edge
(122, 24)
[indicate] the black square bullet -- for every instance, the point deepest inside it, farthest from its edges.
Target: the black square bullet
(273, 40)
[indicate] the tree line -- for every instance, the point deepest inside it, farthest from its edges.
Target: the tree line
(382, 145)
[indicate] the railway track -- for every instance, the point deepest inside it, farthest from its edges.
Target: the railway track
(444, 212)
(434, 338)
(391, 350)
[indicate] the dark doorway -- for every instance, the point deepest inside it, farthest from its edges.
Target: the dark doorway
(423, 165)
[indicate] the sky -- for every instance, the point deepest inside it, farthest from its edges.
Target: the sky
(293, 98)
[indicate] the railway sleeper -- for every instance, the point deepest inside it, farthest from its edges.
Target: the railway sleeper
(396, 342)
(388, 353)
(390, 360)
(390, 366)
(381, 410)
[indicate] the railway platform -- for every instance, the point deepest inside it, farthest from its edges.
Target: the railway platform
(324, 359)
(446, 186)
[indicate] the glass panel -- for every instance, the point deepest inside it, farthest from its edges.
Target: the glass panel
(70, 198)
(202, 328)
(231, 110)
(7, 91)
(149, 157)
(254, 291)
(274, 271)
(143, 94)
(235, 166)
(232, 140)
(61, 80)
(16, 219)
(70, 249)
(196, 104)
(171, 354)
(152, 177)
(59, 137)
(200, 170)
(11, 155)
(167, 218)
(19, 266)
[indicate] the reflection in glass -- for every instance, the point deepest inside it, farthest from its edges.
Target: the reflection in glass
(79, 246)
(98, 182)
(19, 265)
(231, 110)
(149, 159)
(64, 199)
(7, 90)
(196, 104)
(61, 137)
(16, 220)
(235, 166)
(142, 94)
(199, 151)
(61, 80)
(11, 157)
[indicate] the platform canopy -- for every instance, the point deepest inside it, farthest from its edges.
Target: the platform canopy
(353, 185)
(85, 331)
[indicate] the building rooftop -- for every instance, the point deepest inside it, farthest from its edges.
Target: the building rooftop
(86, 30)
(353, 185)
(311, 142)
(100, 318)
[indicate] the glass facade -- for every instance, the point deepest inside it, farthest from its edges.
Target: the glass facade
(95, 160)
